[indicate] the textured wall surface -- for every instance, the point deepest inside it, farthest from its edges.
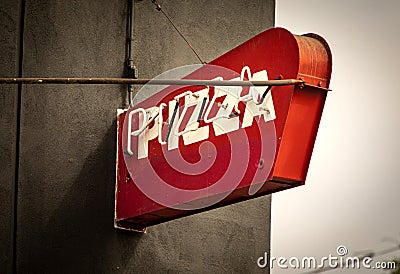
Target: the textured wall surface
(66, 157)
(9, 67)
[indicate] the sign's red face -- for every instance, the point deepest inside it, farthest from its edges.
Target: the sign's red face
(182, 149)
(190, 147)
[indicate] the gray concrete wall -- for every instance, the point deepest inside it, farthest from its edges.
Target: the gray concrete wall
(9, 67)
(64, 165)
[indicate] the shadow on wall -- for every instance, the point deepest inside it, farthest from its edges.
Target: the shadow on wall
(79, 236)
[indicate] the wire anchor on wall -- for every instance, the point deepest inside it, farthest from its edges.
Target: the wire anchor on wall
(158, 7)
(132, 70)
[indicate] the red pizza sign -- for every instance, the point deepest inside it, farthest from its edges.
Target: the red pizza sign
(185, 149)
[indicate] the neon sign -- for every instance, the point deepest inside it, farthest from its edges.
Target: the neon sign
(258, 102)
(186, 149)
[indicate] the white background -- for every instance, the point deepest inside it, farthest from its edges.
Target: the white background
(351, 196)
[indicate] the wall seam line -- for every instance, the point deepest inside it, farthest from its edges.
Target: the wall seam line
(18, 135)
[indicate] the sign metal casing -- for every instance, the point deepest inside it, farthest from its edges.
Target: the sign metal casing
(285, 133)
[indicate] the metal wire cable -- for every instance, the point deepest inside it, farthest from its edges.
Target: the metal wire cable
(158, 7)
